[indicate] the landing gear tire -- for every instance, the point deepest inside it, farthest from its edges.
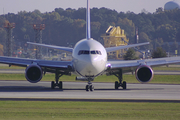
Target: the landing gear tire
(124, 85)
(52, 85)
(91, 87)
(116, 85)
(60, 85)
(87, 88)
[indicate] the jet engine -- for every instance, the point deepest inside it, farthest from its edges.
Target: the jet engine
(144, 73)
(33, 73)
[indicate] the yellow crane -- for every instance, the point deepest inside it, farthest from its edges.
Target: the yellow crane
(115, 36)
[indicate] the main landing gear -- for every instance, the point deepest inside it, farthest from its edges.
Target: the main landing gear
(119, 84)
(57, 84)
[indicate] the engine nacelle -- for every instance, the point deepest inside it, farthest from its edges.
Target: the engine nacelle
(144, 73)
(33, 73)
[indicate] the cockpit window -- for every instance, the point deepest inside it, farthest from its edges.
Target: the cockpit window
(86, 52)
(93, 52)
(98, 52)
(80, 52)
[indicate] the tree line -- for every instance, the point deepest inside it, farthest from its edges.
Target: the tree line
(65, 27)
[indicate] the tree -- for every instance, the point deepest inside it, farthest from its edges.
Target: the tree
(1, 50)
(128, 26)
(144, 11)
(159, 53)
(166, 32)
(130, 55)
(143, 37)
(68, 26)
(159, 10)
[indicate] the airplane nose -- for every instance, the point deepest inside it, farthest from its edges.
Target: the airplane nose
(93, 66)
(91, 61)
(90, 65)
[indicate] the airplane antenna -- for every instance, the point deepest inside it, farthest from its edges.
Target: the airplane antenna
(88, 27)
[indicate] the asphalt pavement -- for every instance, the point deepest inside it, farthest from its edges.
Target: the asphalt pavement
(23, 90)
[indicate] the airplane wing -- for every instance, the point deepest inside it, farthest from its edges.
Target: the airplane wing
(52, 46)
(48, 65)
(132, 65)
(111, 49)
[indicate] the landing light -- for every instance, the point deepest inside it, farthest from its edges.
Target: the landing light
(108, 66)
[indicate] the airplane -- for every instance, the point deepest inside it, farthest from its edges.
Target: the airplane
(89, 61)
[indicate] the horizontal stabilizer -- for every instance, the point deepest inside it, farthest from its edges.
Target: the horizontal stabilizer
(112, 49)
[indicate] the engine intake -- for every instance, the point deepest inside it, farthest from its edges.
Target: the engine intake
(144, 73)
(33, 73)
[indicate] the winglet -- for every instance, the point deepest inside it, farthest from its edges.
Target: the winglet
(88, 22)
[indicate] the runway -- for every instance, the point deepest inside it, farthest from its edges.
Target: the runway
(76, 91)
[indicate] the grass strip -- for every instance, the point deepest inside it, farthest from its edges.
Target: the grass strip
(12, 68)
(162, 68)
(42, 110)
(166, 69)
(162, 79)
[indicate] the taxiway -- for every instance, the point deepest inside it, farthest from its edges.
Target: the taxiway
(76, 90)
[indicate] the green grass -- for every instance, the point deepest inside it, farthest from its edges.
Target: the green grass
(166, 68)
(164, 79)
(12, 67)
(41, 110)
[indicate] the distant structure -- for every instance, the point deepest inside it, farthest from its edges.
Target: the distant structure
(38, 38)
(115, 36)
(171, 5)
(136, 36)
(9, 27)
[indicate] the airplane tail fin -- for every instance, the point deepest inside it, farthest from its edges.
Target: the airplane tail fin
(88, 22)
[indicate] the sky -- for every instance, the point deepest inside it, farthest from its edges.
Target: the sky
(136, 6)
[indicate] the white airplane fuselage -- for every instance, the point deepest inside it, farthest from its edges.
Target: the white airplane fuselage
(89, 58)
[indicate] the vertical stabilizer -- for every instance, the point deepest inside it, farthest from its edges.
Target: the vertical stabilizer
(88, 22)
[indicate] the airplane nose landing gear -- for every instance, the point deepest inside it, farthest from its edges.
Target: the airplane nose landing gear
(89, 87)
